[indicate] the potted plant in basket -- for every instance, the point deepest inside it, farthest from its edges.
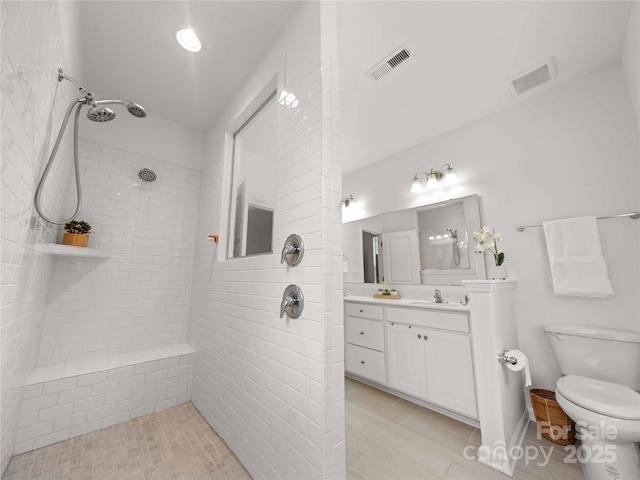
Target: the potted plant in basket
(76, 233)
(487, 239)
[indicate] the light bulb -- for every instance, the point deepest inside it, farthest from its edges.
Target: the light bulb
(416, 186)
(450, 176)
(189, 40)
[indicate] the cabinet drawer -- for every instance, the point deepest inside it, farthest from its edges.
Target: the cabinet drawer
(366, 363)
(363, 310)
(364, 332)
(454, 321)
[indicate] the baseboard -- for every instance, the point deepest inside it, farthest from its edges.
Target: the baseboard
(498, 457)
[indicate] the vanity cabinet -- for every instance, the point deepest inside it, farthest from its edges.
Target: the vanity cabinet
(425, 353)
(432, 364)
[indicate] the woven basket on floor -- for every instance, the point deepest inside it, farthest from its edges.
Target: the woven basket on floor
(553, 423)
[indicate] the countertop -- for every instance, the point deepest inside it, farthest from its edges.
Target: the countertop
(409, 302)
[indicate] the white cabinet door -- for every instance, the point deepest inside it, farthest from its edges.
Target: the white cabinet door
(449, 371)
(401, 255)
(405, 353)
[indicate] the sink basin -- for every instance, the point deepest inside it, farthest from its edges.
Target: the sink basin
(434, 304)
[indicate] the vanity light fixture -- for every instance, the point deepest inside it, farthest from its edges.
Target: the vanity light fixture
(433, 177)
(188, 40)
(348, 201)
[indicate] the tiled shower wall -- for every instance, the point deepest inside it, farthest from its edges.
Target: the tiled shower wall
(274, 388)
(138, 298)
(34, 46)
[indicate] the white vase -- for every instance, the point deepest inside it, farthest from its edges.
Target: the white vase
(498, 272)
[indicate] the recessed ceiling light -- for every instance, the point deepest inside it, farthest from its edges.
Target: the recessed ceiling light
(188, 40)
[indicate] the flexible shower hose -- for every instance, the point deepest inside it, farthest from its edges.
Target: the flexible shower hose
(79, 102)
(456, 251)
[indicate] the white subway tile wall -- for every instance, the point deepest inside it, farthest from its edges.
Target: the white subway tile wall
(272, 387)
(139, 298)
(262, 381)
(33, 104)
(58, 408)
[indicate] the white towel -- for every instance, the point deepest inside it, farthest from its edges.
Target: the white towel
(577, 265)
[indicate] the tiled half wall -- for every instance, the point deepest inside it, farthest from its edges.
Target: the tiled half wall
(66, 401)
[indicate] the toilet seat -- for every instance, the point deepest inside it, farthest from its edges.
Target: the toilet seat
(610, 399)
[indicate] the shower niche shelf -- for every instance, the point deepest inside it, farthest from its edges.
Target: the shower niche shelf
(58, 250)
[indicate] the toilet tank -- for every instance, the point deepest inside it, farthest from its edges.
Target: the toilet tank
(600, 353)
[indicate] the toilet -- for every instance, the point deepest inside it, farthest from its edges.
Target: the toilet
(599, 391)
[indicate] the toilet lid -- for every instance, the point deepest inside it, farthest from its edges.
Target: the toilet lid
(606, 398)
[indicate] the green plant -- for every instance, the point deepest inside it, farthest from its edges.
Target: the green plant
(77, 227)
(488, 239)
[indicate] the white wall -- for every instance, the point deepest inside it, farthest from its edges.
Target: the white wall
(151, 136)
(37, 39)
(274, 388)
(139, 298)
(570, 151)
(631, 67)
(631, 58)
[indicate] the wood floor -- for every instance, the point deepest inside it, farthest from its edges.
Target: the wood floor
(387, 438)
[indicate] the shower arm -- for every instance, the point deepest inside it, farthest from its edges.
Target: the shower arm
(62, 75)
(77, 102)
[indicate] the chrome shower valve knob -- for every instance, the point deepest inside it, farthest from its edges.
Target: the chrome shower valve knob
(293, 250)
(292, 302)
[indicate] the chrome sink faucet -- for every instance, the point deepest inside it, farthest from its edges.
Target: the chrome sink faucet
(437, 297)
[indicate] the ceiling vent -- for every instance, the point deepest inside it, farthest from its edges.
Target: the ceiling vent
(392, 62)
(534, 76)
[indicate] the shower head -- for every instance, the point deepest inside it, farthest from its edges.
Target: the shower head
(147, 175)
(454, 233)
(135, 109)
(98, 113)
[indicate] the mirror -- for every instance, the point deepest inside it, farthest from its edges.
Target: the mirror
(253, 183)
(427, 245)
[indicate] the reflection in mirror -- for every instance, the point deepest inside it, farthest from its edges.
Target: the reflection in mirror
(370, 252)
(253, 183)
(441, 246)
(427, 245)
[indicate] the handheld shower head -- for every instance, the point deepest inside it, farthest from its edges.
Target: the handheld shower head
(135, 109)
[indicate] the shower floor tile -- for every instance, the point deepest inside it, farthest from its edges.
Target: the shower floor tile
(176, 443)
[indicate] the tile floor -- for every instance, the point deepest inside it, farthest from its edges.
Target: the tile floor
(176, 443)
(388, 438)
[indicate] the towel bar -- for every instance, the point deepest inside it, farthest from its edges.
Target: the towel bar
(632, 215)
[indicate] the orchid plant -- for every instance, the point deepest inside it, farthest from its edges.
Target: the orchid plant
(487, 239)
